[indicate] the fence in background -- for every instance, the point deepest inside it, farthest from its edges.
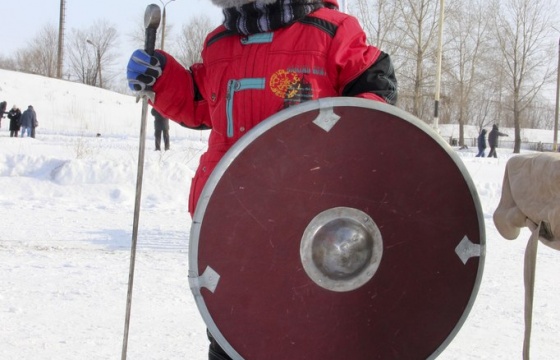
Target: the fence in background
(507, 144)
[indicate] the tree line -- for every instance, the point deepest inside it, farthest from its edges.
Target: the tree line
(498, 57)
(92, 55)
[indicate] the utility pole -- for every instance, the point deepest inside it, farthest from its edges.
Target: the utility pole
(60, 55)
(163, 22)
(98, 53)
(438, 70)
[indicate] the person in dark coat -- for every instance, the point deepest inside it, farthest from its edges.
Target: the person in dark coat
(35, 124)
(493, 140)
(481, 143)
(14, 115)
(3, 106)
(28, 121)
(161, 125)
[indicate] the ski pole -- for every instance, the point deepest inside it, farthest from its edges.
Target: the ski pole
(152, 18)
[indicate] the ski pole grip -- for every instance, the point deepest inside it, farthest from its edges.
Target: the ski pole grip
(152, 18)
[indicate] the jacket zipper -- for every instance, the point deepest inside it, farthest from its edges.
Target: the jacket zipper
(235, 86)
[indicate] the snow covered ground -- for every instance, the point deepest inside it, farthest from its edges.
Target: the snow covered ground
(66, 212)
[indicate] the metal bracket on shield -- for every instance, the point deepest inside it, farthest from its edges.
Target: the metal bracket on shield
(467, 249)
(327, 118)
(209, 279)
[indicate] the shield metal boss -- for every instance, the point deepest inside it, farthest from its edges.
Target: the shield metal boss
(340, 228)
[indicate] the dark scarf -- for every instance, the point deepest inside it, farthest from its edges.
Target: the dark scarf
(255, 18)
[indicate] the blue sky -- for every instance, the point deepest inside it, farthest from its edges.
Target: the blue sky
(23, 19)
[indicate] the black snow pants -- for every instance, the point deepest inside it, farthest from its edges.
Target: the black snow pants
(215, 352)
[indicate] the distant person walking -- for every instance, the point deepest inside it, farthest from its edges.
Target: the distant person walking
(14, 115)
(481, 143)
(3, 106)
(493, 140)
(28, 120)
(161, 126)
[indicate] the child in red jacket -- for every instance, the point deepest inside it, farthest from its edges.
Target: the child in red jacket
(266, 56)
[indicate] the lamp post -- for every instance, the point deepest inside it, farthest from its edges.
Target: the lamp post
(163, 22)
(98, 52)
(438, 70)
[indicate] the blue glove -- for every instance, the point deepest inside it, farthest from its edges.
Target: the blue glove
(143, 69)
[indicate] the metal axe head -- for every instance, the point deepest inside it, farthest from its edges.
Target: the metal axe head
(152, 18)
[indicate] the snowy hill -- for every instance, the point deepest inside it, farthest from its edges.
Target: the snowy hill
(66, 210)
(68, 107)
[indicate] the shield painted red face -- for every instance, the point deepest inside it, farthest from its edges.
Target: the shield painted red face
(338, 228)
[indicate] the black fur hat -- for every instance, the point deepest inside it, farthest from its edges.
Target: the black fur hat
(224, 4)
(236, 3)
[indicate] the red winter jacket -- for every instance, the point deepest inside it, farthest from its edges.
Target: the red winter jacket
(245, 79)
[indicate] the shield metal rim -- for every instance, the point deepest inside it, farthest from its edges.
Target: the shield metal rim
(325, 104)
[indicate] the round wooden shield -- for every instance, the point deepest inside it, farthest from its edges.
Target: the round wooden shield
(340, 228)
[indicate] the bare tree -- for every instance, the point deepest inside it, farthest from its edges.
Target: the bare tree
(378, 18)
(92, 52)
(82, 62)
(520, 28)
(7, 63)
(468, 27)
(406, 30)
(191, 40)
(481, 111)
(540, 114)
(419, 26)
(40, 57)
